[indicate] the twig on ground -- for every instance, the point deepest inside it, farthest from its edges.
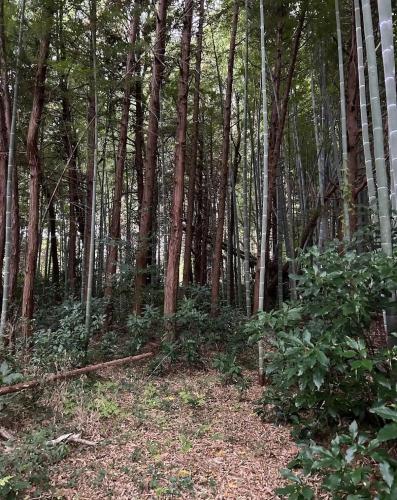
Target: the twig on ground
(71, 438)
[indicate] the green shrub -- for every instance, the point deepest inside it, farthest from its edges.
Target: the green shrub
(318, 358)
(63, 344)
(353, 466)
(27, 464)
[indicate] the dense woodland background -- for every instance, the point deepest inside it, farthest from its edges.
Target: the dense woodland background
(169, 170)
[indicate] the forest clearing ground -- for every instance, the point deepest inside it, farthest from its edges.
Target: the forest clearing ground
(185, 435)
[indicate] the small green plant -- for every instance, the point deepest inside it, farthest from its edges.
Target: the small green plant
(193, 400)
(231, 372)
(8, 374)
(186, 444)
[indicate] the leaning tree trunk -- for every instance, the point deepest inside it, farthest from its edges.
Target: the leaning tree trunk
(10, 171)
(187, 262)
(377, 129)
(386, 32)
(217, 259)
(174, 246)
(34, 163)
(147, 210)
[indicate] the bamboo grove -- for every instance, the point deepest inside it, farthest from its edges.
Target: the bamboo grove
(148, 146)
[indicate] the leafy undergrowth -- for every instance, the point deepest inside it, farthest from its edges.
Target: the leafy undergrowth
(186, 435)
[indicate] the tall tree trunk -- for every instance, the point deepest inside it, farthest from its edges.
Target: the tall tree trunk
(187, 262)
(227, 108)
(353, 132)
(34, 162)
(174, 246)
(114, 233)
(145, 226)
(138, 132)
(70, 152)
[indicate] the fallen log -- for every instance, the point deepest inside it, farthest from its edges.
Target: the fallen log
(9, 389)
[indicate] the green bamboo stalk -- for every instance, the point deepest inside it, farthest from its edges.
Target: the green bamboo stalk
(320, 166)
(90, 277)
(346, 187)
(265, 183)
(10, 170)
(246, 240)
(377, 128)
(386, 33)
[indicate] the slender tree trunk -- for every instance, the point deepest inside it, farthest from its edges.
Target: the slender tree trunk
(34, 162)
(52, 237)
(114, 233)
(217, 259)
(150, 157)
(353, 132)
(187, 262)
(138, 131)
(174, 246)
(70, 152)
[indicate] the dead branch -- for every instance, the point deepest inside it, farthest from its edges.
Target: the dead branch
(5, 434)
(9, 389)
(71, 438)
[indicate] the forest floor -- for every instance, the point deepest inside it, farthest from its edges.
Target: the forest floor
(185, 435)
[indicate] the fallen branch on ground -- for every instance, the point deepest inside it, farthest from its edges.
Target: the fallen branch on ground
(71, 438)
(6, 434)
(9, 389)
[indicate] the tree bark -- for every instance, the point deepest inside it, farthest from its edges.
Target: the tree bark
(353, 131)
(147, 209)
(174, 246)
(114, 232)
(227, 108)
(34, 162)
(187, 262)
